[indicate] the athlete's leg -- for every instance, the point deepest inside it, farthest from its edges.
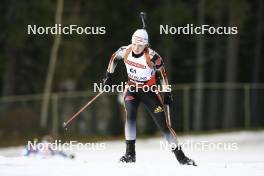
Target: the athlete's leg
(131, 105)
(154, 104)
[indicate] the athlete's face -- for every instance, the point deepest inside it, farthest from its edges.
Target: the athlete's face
(138, 48)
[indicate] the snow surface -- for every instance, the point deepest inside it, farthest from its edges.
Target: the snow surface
(247, 160)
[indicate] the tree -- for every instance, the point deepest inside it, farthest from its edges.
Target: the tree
(236, 17)
(199, 76)
(257, 58)
(51, 69)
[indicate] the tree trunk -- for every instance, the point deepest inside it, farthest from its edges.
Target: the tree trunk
(9, 75)
(51, 69)
(213, 104)
(257, 60)
(199, 79)
(231, 75)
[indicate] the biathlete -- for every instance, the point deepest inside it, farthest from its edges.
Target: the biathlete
(144, 67)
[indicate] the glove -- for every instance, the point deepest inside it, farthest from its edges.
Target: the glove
(107, 80)
(168, 98)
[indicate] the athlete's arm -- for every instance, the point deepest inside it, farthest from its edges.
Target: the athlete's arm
(114, 60)
(160, 69)
(161, 75)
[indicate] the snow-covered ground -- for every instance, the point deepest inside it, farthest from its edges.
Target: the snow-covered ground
(246, 158)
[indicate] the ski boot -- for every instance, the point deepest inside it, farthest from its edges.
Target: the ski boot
(130, 155)
(182, 158)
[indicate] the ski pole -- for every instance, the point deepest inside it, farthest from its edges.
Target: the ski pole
(65, 124)
(168, 114)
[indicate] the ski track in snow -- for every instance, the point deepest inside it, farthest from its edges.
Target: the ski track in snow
(248, 160)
